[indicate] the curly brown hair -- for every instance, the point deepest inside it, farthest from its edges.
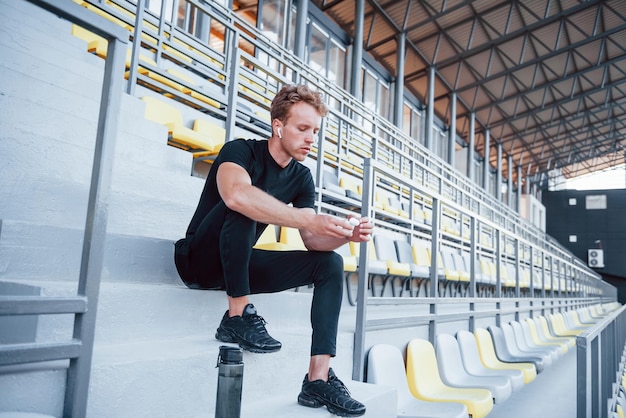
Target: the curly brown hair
(289, 95)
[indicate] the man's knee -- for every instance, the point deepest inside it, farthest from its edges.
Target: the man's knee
(330, 262)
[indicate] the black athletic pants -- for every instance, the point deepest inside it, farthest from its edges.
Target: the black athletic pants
(220, 256)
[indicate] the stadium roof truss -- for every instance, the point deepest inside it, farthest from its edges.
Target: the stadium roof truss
(546, 77)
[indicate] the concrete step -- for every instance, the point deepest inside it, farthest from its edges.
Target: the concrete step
(179, 378)
(81, 72)
(147, 312)
(42, 252)
(155, 354)
(18, 386)
(24, 22)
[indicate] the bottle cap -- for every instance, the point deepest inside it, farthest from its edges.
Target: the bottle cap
(230, 355)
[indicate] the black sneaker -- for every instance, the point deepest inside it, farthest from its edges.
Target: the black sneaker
(248, 330)
(334, 394)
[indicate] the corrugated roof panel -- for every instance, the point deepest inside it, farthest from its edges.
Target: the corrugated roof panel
(532, 77)
(381, 31)
(460, 34)
(495, 18)
(531, 11)
(615, 47)
(446, 50)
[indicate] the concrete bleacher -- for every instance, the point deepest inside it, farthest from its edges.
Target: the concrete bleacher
(155, 351)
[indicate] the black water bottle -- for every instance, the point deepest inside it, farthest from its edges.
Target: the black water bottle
(229, 382)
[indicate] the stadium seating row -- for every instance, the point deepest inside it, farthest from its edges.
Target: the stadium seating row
(398, 268)
(467, 374)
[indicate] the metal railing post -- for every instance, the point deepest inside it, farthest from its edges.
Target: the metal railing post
(358, 359)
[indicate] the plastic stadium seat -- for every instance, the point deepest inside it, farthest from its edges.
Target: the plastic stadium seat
(396, 205)
(541, 324)
(508, 352)
(421, 256)
(464, 271)
(512, 336)
(425, 382)
(385, 366)
(419, 274)
(397, 271)
(525, 341)
(484, 280)
(474, 365)
(581, 318)
(192, 89)
(351, 188)
(452, 276)
(162, 77)
(291, 238)
(530, 330)
(563, 327)
(488, 357)
(454, 374)
(206, 136)
(350, 269)
(333, 193)
(350, 264)
(268, 241)
(377, 269)
(96, 44)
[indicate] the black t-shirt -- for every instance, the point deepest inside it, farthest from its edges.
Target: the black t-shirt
(292, 184)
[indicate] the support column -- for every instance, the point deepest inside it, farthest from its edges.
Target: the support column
(399, 91)
(486, 164)
(300, 36)
(357, 48)
(509, 181)
(499, 174)
(470, 149)
(519, 189)
(430, 109)
(452, 131)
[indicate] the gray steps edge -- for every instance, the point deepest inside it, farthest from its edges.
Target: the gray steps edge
(31, 29)
(142, 312)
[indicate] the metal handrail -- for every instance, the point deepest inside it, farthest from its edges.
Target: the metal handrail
(598, 359)
(79, 349)
(374, 168)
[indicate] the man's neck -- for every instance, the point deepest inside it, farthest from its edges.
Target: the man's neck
(277, 153)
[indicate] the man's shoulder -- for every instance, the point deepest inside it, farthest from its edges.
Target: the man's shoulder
(242, 144)
(247, 142)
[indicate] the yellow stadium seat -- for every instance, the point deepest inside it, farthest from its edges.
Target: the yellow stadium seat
(191, 89)
(351, 188)
(385, 366)
(488, 357)
(291, 238)
(268, 241)
(425, 381)
(206, 137)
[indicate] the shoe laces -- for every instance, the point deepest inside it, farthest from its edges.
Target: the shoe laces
(338, 384)
(257, 322)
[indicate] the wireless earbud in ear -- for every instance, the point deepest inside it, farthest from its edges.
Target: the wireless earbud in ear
(279, 133)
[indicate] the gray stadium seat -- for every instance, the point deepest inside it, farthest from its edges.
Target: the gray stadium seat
(509, 353)
(453, 372)
(473, 364)
(385, 366)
